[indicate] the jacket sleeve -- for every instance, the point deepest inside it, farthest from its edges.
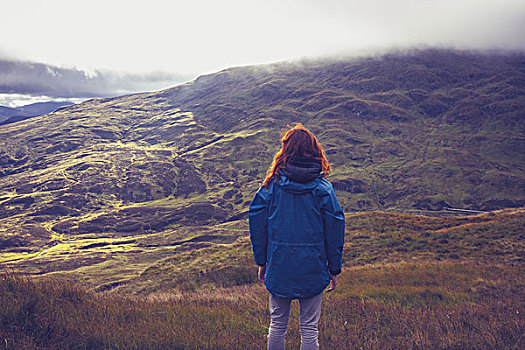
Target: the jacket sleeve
(258, 220)
(334, 230)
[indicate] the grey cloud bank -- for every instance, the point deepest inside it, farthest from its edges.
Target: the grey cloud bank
(28, 82)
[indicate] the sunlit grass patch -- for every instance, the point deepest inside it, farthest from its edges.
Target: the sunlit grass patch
(10, 256)
(410, 296)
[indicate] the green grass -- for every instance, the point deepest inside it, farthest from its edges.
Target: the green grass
(155, 261)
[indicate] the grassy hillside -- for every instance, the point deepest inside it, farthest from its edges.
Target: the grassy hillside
(149, 187)
(185, 258)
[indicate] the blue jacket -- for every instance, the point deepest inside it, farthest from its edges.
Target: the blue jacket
(297, 230)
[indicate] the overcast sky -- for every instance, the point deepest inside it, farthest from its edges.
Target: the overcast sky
(192, 37)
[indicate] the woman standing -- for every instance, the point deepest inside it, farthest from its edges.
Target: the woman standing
(297, 235)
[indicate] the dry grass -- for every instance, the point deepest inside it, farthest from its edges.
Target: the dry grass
(440, 305)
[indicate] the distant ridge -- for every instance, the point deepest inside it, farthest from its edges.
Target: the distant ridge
(10, 115)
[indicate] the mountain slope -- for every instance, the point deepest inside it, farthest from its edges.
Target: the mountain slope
(431, 129)
(177, 168)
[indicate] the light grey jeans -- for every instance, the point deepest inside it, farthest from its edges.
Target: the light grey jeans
(309, 313)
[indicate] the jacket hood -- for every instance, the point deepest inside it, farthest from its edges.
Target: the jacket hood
(300, 175)
(301, 169)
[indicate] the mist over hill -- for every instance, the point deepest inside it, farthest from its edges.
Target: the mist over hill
(415, 130)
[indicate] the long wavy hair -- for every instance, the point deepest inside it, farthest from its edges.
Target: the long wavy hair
(297, 141)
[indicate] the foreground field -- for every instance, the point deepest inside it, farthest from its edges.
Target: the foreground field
(409, 282)
(439, 305)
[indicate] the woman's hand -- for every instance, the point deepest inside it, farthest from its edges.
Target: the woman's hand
(262, 272)
(333, 284)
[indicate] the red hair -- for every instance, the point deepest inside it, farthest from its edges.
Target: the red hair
(297, 141)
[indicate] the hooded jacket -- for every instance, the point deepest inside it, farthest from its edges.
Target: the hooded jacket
(297, 230)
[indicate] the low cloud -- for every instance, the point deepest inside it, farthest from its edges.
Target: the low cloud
(18, 100)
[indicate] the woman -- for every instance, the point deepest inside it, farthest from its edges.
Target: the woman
(297, 235)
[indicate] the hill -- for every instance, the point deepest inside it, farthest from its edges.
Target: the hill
(6, 112)
(10, 115)
(143, 177)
